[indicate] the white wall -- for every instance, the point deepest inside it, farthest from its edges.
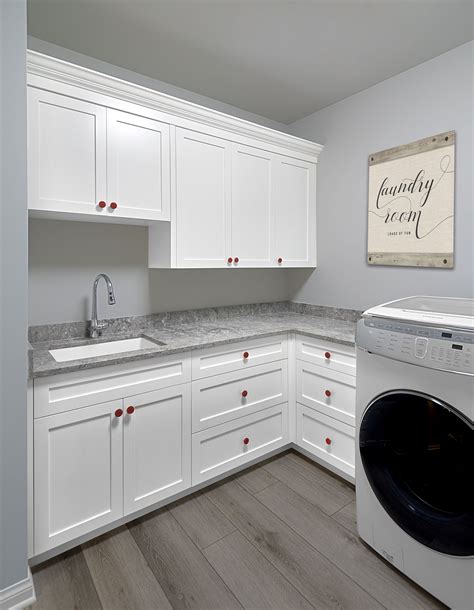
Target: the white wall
(431, 98)
(13, 293)
(65, 257)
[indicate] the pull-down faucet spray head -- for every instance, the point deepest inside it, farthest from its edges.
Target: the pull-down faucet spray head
(95, 326)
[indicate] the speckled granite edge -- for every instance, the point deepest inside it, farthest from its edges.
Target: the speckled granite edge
(137, 324)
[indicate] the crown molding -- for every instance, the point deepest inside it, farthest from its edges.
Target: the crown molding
(78, 76)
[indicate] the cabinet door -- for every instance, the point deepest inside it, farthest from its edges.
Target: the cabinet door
(157, 446)
(294, 213)
(66, 154)
(202, 200)
(251, 206)
(77, 473)
(138, 166)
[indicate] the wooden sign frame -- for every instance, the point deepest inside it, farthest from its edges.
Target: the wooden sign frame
(411, 204)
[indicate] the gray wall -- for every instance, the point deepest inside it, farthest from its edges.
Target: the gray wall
(64, 258)
(431, 98)
(42, 46)
(13, 291)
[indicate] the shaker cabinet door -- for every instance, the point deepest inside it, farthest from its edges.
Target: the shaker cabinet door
(157, 446)
(251, 206)
(138, 166)
(77, 473)
(294, 213)
(203, 183)
(66, 154)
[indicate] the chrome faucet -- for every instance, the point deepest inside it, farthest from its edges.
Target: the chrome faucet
(96, 327)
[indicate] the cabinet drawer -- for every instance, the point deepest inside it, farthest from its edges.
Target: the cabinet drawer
(238, 356)
(219, 449)
(60, 393)
(332, 356)
(330, 440)
(232, 395)
(332, 393)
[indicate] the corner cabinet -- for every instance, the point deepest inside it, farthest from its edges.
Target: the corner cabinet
(215, 191)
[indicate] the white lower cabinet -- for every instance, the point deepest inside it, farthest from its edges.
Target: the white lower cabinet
(328, 439)
(174, 422)
(234, 443)
(77, 473)
(156, 446)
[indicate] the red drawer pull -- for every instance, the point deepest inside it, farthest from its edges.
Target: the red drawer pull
(130, 410)
(102, 204)
(280, 260)
(244, 393)
(236, 259)
(246, 440)
(118, 413)
(113, 205)
(327, 440)
(328, 393)
(230, 259)
(245, 355)
(327, 355)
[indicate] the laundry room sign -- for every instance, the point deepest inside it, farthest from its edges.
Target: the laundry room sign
(411, 204)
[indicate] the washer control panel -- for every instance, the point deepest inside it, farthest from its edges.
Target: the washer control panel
(433, 347)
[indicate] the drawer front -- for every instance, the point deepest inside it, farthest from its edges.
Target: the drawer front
(68, 391)
(331, 393)
(225, 397)
(331, 356)
(238, 356)
(330, 440)
(219, 449)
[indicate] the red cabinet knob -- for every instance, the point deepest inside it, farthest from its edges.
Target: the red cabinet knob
(130, 410)
(230, 259)
(102, 204)
(118, 413)
(236, 259)
(328, 393)
(327, 355)
(244, 393)
(113, 205)
(327, 440)
(245, 355)
(246, 440)
(280, 260)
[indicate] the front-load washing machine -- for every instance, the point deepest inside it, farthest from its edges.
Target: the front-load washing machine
(415, 441)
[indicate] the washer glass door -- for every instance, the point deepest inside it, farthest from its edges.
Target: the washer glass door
(418, 455)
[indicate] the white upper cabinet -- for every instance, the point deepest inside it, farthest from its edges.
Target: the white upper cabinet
(85, 159)
(138, 166)
(215, 191)
(251, 207)
(202, 199)
(66, 154)
(294, 213)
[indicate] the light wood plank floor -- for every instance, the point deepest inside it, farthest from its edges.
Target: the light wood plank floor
(281, 535)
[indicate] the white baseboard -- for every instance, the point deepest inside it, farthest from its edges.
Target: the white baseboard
(18, 596)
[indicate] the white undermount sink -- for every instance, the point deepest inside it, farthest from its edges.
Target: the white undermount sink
(102, 349)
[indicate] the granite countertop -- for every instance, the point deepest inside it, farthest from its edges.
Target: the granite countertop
(180, 335)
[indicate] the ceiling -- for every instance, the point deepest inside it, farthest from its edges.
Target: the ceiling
(281, 59)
